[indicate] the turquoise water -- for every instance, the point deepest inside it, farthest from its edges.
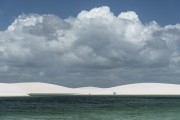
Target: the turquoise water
(90, 108)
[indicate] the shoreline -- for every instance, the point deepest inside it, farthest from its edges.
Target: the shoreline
(123, 96)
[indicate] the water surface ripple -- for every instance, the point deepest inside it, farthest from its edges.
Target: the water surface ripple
(90, 108)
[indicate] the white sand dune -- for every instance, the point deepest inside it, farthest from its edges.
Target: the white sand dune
(133, 89)
(91, 91)
(26, 89)
(147, 89)
(43, 88)
(11, 90)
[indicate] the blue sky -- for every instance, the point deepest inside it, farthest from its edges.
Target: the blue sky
(90, 42)
(163, 11)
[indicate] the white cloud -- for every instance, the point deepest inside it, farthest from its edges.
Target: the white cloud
(96, 48)
(130, 15)
(3, 68)
(97, 13)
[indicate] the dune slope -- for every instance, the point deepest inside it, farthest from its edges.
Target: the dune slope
(43, 88)
(11, 90)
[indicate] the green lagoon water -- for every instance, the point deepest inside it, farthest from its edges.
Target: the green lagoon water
(90, 108)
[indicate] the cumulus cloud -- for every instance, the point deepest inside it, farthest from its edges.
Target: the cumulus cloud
(95, 48)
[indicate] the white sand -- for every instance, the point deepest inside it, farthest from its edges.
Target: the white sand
(43, 88)
(147, 89)
(11, 90)
(24, 89)
(91, 91)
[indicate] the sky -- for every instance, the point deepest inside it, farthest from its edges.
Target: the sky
(100, 43)
(163, 11)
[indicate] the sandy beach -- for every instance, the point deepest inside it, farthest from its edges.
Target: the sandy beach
(33, 88)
